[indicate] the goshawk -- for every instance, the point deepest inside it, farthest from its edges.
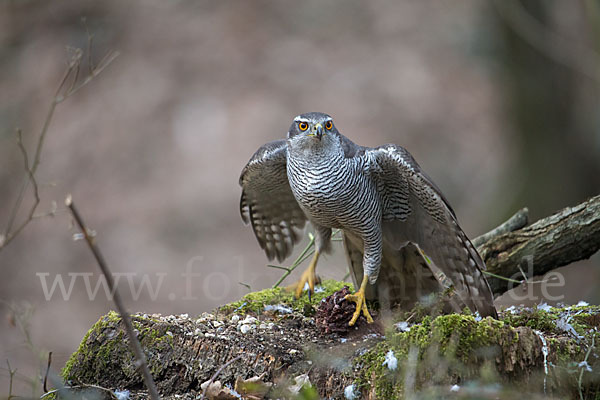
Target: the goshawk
(399, 232)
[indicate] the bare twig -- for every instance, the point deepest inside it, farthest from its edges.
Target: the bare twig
(76, 395)
(105, 62)
(221, 368)
(278, 267)
(47, 371)
(53, 211)
(502, 277)
(304, 255)
(583, 367)
(90, 39)
(307, 252)
(30, 178)
(20, 317)
(517, 221)
(134, 342)
(11, 375)
(61, 94)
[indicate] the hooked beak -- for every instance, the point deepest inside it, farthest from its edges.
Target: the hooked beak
(317, 131)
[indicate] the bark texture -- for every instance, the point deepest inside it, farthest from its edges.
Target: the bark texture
(569, 235)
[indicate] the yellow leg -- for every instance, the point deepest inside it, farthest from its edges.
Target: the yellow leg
(309, 276)
(361, 304)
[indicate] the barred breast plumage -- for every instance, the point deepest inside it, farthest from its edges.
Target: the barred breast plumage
(333, 190)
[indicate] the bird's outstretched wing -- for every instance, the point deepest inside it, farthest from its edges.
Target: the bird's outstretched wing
(415, 210)
(268, 202)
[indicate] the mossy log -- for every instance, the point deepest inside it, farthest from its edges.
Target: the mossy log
(268, 344)
(528, 350)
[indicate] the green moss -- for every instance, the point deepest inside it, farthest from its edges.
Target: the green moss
(152, 336)
(535, 319)
(83, 352)
(256, 301)
(374, 376)
(581, 318)
(456, 345)
(93, 362)
(462, 336)
(72, 361)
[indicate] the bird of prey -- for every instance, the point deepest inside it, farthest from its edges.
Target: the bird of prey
(401, 237)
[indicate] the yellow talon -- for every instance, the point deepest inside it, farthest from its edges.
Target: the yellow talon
(309, 276)
(361, 304)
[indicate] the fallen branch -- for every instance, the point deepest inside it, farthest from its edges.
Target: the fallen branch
(569, 235)
(517, 221)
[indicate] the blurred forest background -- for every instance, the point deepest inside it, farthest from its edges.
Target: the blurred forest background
(498, 101)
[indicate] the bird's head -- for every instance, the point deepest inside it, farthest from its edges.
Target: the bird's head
(314, 131)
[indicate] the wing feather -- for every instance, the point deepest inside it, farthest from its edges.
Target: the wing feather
(415, 210)
(267, 201)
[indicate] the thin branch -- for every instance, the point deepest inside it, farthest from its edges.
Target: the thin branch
(38, 151)
(517, 221)
(21, 318)
(52, 213)
(105, 62)
(30, 178)
(278, 267)
(75, 77)
(134, 342)
(11, 373)
(212, 378)
(61, 94)
(583, 367)
(47, 371)
(502, 277)
(62, 391)
(305, 253)
(89, 48)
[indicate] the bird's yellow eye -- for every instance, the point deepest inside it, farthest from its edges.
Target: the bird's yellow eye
(303, 126)
(328, 125)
